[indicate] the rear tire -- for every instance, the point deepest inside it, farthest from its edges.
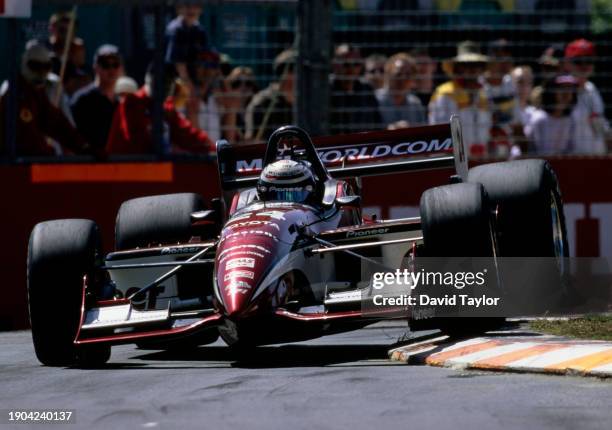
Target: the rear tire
(457, 222)
(156, 220)
(526, 193)
(60, 254)
(531, 223)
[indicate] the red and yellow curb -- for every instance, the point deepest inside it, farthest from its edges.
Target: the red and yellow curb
(512, 352)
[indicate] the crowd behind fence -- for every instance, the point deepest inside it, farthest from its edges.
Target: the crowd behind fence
(525, 77)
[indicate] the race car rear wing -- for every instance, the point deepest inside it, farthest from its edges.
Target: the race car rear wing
(357, 154)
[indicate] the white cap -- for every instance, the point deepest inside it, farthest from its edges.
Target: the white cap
(126, 85)
(37, 52)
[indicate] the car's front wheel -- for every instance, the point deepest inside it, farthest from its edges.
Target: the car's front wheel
(60, 254)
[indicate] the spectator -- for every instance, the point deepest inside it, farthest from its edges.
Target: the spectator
(76, 74)
(273, 107)
(549, 66)
(591, 124)
(185, 40)
(93, 107)
(124, 86)
(425, 74)
(131, 131)
(397, 105)
(522, 79)
(51, 84)
(38, 120)
(375, 71)
(501, 95)
(353, 104)
(240, 87)
(551, 128)
(463, 95)
(204, 113)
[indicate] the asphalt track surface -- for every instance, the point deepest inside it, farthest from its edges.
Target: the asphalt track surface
(339, 382)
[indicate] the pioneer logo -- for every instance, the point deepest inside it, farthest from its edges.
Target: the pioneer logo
(364, 233)
(180, 250)
(369, 151)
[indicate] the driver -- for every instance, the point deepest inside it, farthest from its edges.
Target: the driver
(288, 181)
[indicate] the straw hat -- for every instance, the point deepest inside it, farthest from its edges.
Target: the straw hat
(468, 52)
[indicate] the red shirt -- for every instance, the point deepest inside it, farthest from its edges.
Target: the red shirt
(37, 119)
(131, 131)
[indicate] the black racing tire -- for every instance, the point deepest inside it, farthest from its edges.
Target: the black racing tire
(531, 223)
(60, 254)
(526, 193)
(457, 221)
(156, 220)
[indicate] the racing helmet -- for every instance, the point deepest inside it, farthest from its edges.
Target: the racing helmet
(287, 180)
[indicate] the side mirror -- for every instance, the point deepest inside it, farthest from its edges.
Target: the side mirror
(353, 202)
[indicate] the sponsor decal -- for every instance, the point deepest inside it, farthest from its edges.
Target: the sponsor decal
(241, 253)
(278, 215)
(364, 233)
(239, 274)
(238, 287)
(240, 262)
(245, 233)
(368, 151)
(180, 250)
(253, 224)
(237, 247)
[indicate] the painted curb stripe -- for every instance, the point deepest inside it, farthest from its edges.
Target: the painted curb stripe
(441, 357)
(504, 348)
(551, 358)
(111, 172)
(586, 363)
(504, 359)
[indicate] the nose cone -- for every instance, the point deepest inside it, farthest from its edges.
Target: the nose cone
(241, 266)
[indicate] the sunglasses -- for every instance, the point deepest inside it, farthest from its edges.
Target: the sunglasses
(39, 66)
(107, 65)
(240, 83)
(377, 70)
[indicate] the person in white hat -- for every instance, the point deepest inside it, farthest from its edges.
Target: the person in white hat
(42, 129)
(463, 95)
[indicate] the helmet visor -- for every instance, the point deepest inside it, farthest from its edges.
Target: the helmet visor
(289, 195)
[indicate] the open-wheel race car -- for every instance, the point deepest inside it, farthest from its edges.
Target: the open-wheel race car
(277, 258)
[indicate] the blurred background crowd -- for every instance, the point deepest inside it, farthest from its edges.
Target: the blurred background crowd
(524, 76)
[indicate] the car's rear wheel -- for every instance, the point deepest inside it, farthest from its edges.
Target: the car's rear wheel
(531, 225)
(155, 220)
(60, 254)
(457, 222)
(530, 206)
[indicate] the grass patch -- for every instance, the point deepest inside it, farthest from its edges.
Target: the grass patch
(590, 327)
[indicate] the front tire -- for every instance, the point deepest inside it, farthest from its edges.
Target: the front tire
(457, 222)
(60, 254)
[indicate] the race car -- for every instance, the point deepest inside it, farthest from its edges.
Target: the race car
(280, 257)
